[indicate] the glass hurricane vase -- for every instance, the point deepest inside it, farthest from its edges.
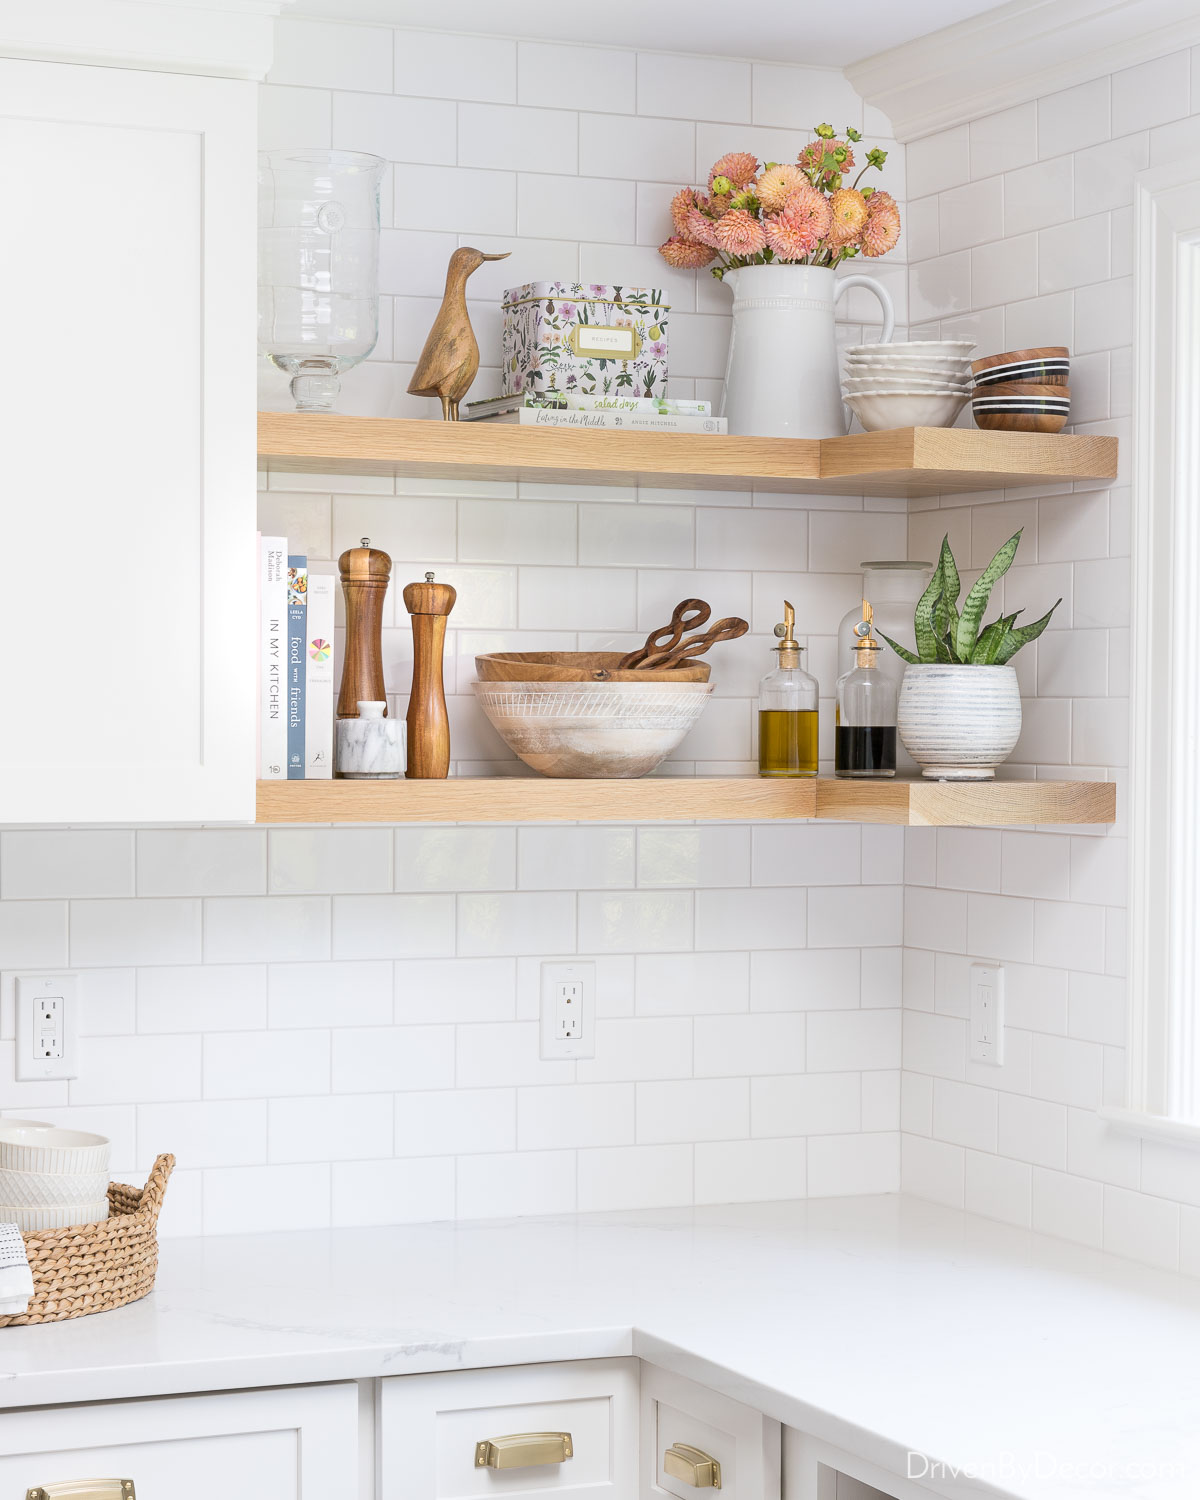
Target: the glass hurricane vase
(318, 266)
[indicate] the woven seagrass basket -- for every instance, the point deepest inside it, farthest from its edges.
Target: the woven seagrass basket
(90, 1268)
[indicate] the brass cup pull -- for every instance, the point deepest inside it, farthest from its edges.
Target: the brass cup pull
(84, 1489)
(695, 1467)
(523, 1450)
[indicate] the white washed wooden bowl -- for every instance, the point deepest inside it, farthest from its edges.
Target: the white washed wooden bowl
(600, 729)
(959, 723)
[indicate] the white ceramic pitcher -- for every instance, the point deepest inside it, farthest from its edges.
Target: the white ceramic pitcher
(782, 378)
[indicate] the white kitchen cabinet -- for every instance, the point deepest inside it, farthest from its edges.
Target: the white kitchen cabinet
(693, 1439)
(439, 1436)
(813, 1470)
(128, 464)
(296, 1444)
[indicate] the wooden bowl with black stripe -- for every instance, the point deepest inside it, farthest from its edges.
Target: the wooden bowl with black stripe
(1021, 406)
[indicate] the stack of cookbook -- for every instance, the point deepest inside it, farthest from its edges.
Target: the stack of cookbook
(295, 665)
(620, 413)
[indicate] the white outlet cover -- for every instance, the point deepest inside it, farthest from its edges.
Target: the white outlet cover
(32, 988)
(553, 1047)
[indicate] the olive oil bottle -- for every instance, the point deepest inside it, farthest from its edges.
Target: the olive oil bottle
(787, 709)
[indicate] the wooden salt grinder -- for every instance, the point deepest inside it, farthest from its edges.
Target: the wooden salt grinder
(429, 604)
(365, 572)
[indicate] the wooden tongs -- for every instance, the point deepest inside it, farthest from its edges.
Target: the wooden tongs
(666, 648)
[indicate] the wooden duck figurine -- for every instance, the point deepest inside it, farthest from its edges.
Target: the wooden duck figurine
(449, 361)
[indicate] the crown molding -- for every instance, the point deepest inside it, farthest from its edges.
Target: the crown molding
(1015, 53)
(221, 38)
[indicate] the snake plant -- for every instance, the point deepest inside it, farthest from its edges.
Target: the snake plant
(951, 636)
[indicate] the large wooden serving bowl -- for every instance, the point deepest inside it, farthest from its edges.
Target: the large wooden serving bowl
(576, 666)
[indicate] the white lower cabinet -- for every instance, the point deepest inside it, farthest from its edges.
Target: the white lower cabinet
(515, 1431)
(813, 1470)
(293, 1444)
(693, 1439)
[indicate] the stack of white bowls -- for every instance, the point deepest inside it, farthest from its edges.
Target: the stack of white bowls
(51, 1178)
(923, 383)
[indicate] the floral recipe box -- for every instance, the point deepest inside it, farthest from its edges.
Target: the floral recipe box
(587, 340)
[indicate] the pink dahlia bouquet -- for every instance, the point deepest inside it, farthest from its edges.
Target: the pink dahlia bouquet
(754, 215)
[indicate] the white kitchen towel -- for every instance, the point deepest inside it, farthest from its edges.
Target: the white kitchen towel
(16, 1279)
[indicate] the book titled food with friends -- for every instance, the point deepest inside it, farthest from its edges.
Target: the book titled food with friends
(273, 606)
(297, 597)
(318, 686)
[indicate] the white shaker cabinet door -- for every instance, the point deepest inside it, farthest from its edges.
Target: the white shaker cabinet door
(127, 469)
(297, 1444)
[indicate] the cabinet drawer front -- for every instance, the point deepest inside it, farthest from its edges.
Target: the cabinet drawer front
(269, 1445)
(520, 1430)
(697, 1444)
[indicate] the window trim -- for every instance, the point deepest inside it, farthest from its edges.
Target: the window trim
(1164, 900)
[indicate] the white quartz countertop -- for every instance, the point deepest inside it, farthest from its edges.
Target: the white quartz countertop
(878, 1324)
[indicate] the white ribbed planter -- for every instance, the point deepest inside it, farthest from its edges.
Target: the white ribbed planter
(959, 723)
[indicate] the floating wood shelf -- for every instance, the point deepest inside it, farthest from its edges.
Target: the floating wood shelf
(906, 461)
(520, 799)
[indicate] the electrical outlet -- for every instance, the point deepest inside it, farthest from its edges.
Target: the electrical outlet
(47, 1026)
(987, 1014)
(568, 1010)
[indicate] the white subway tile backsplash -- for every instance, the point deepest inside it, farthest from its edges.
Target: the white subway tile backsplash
(754, 1044)
(1074, 117)
(634, 1177)
(631, 146)
(288, 115)
(1151, 93)
(1035, 197)
(209, 997)
(308, 995)
(1067, 1207)
(998, 1189)
(643, 536)
(846, 1165)
(693, 984)
(575, 858)
(1004, 140)
(261, 1200)
(392, 926)
(204, 1134)
(46, 864)
(1141, 1227)
(806, 1104)
(574, 1115)
(456, 1122)
(412, 131)
(971, 215)
(686, 1109)
(328, 1127)
(937, 162)
(581, 207)
(166, 1067)
(112, 933)
(392, 1192)
(635, 921)
(573, 77)
(304, 861)
(700, 855)
(455, 66)
(260, 929)
(750, 1171)
(323, 54)
(391, 1059)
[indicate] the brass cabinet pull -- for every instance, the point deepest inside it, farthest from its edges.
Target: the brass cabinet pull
(695, 1467)
(522, 1450)
(84, 1489)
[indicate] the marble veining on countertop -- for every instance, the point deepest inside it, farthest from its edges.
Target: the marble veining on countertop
(882, 1325)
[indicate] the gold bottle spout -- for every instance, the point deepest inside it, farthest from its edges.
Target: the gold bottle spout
(789, 648)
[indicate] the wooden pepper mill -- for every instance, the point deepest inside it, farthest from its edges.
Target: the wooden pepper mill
(365, 572)
(429, 604)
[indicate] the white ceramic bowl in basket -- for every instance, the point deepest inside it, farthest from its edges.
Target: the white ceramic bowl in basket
(31, 1146)
(33, 1217)
(602, 729)
(52, 1189)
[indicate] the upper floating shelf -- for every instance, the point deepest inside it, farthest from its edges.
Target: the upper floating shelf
(906, 461)
(526, 799)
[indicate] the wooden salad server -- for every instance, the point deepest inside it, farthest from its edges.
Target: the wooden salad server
(687, 614)
(724, 630)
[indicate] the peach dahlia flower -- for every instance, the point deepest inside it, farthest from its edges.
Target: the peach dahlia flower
(685, 254)
(739, 233)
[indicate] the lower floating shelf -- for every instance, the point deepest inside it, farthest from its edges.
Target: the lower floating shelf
(529, 799)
